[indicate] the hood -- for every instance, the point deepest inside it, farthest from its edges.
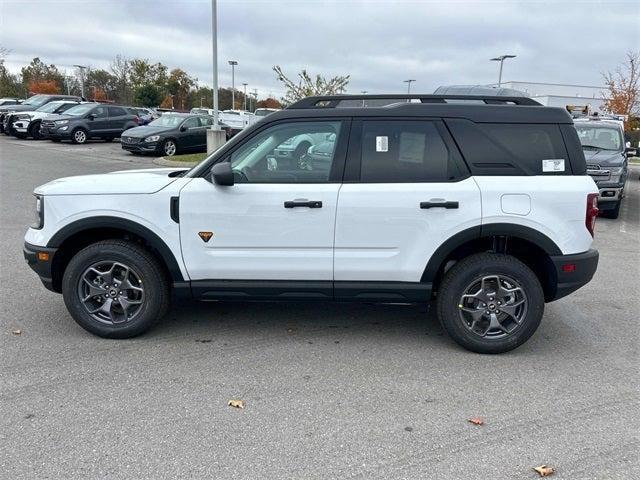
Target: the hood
(142, 132)
(16, 108)
(604, 158)
(121, 182)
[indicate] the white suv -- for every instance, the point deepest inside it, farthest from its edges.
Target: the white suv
(481, 203)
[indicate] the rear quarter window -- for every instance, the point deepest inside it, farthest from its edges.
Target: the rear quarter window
(512, 148)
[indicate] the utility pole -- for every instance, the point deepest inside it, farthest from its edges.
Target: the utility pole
(214, 49)
(408, 82)
(245, 95)
(501, 59)
(82, 68)
(255, 99)
(233, 64)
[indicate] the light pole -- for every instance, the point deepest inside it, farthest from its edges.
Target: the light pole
(255, 99)
(214, 49)
(82, 68)
(501, 59)
(364, 92)
(245, 95)
(408, 82)
(201, 99)
(233, 64)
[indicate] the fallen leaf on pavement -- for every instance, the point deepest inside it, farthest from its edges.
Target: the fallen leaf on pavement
(17, 332)
(476, 421)
(544, 470)
(236, 403)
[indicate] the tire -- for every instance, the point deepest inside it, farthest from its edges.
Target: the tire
(94, 273)
(79, 136)
(169, 148)
(34, 130)
(614, 212)
(456, 312)
(20, 136)
(300, 150)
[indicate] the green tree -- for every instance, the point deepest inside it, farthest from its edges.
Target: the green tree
(101, 80)
(38, 71)
(179, 84)
(10, 85)
(307, 86)
(148, 95)
(144, 72)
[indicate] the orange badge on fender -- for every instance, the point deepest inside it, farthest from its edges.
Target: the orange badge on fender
(205, 236)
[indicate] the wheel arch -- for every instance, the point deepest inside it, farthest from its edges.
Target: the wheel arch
(77, 235)
(530, 246)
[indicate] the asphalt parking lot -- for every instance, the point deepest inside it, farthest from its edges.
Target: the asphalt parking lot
(331, 391)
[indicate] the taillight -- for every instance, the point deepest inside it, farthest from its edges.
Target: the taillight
(592, 212)
(137, 120)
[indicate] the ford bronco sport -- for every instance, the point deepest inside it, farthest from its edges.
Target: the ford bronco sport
(481, 203)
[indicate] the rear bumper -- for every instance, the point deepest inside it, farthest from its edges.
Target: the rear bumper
(573, 272)
(42, 267)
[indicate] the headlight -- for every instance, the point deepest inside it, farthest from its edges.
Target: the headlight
(39, 216)
(152, 138)
(62, 122)
(23, 117)
(616, 171)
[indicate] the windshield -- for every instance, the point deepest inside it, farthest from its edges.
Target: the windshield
(79, 109)
(167, 121)
(36, 100)
(599, 137)
(50, 107)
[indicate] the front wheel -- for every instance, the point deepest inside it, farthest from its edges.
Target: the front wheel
(34, 130)
(169, 148)
(79, 136)
(490, 303)
(115, 289)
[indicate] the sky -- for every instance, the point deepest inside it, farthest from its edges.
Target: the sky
(379, 44)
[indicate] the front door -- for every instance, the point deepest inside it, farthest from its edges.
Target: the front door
(406, 191)
(277, 221)
(98, 121)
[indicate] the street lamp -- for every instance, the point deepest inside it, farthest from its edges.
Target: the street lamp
(245, 95)
(501, 59)
(82, 68)
(363, 92)
(214, 49)
(408, 82)
(233, 64)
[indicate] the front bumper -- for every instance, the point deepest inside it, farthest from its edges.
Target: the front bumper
(35, 257)
(141, 146)
(59, 133)
(573, 272)
(21, 126)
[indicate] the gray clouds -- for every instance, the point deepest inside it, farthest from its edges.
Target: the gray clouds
(378, 43)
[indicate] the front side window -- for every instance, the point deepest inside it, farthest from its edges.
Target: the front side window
(79, 110)
(293, 152)
(192, 122)
(100, 112)
(400, 151)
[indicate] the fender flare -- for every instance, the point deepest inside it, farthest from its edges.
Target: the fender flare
(92, 223)
(488, 230)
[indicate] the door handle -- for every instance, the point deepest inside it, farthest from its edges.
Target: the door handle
(303, 203)
(442, 204)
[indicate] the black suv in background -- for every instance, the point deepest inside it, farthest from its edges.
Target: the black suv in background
(170, 134)
(86, 121)
(31, 104)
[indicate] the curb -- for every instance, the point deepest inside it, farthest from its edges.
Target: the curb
(172, 163)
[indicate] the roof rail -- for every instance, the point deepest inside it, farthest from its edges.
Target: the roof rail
(332, 101)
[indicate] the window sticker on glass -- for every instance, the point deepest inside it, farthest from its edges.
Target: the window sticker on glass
(382, 144)
(553, 165)
(412, 146)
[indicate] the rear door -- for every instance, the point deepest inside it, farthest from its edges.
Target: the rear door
(406, 191)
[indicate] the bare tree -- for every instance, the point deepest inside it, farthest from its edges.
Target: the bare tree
(623, 87)
(307, 86)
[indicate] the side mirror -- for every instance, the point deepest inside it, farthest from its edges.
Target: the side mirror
(631, 151)
(91, 116)
(183, 128)
(222, 174)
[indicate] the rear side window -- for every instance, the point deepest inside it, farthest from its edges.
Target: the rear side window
(511, 148)
(405, 151)
(116, 111)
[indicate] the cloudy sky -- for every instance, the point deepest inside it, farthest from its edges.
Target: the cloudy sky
(378, 43)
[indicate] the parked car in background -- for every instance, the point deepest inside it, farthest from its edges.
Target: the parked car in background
(237, 120)
(31, 104)
(144, 115)
(170, 134)
(27, 124)
(606, 154)
(263, 112)
(296, 147)
(9, 101)
(86, 121)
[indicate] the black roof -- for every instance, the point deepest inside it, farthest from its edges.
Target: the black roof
(480, 109)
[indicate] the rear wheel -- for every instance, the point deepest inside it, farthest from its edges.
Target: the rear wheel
(490, 303)
(79, 135)
(115, 289)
